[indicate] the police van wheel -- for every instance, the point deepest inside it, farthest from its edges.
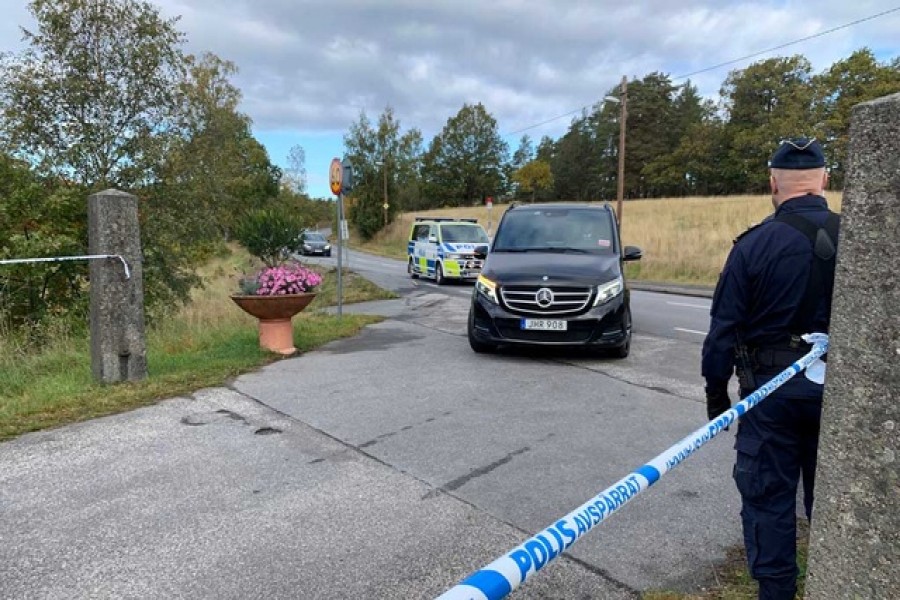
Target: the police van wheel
(411, 270)
(439, 274)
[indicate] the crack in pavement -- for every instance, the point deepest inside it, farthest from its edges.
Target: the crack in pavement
(461, 481)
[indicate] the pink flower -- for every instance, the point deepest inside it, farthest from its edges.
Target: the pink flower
(286, 279)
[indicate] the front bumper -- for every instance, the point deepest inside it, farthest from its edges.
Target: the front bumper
(604, 326)
(462, 268)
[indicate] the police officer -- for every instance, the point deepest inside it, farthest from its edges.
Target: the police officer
(776, 285)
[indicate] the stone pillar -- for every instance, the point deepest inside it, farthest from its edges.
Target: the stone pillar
(118, 346)
(855, 534)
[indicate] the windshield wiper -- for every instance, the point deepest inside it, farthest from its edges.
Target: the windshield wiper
(564, 249)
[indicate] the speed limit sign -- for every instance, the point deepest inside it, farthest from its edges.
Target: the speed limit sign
(335, 175)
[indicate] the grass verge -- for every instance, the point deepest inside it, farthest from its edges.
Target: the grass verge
(206, 343)
(733, 582)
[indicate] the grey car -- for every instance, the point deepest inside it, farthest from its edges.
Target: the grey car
(314, 242)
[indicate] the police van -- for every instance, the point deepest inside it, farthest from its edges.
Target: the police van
(444, 248)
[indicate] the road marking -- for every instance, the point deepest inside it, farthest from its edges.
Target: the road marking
(704, 307)
(690, 330)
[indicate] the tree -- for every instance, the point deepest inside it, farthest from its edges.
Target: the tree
(524, 153)
(690, 165)
(575, 161)
(652, 130)
(465, 162)
(858, 78)
(381, 158)
(91, 98)
(295, 174)
(40, 218)
(766, 102)
(522, 156)
(534, 176)
(216, 169)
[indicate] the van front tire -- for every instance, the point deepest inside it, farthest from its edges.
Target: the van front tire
(439, 274)
(476, 344)
(411, 269)
(625, 349)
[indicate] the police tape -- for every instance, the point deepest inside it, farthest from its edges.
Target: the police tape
(22, 261)
(501, 577)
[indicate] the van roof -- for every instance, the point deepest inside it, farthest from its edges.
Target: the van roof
(562, 205)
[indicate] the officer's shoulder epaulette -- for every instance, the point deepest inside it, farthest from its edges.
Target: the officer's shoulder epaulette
(752, 227)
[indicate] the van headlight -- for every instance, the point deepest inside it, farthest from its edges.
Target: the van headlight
(487, 288)
(609, 290)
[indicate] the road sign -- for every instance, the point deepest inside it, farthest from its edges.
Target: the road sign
(489, 202)
(335, 174)
(385, 206)
(345, 231)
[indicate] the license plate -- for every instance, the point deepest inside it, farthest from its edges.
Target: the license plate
(544, 324)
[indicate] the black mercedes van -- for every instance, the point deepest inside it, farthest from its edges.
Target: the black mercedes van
(554, 276)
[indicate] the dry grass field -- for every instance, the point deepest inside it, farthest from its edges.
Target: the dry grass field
(685, 240)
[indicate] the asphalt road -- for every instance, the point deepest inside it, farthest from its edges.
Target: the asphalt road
(389, 465)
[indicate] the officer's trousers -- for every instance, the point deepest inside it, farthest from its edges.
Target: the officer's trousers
(776, 446)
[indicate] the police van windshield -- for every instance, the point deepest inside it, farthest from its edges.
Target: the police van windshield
(459, 233)
(575, 230)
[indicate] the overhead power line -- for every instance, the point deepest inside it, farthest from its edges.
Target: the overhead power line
(733, 61)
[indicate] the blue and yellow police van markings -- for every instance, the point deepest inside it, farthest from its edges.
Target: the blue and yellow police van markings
(452, 267)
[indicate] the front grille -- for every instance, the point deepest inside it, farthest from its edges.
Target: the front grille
(535, 300)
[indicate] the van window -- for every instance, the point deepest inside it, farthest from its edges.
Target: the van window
(420, 233)
(457, 233)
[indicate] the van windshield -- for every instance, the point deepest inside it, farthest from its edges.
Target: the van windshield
(556, 230)
(463, 234)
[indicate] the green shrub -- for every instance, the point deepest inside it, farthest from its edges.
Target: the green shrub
(270, 234)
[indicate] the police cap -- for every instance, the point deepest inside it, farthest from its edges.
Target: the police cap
(798, 153)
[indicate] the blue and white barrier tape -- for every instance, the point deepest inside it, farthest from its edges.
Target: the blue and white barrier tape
(508, 572)
(21, 261)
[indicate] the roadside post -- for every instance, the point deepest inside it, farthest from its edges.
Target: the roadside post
(489, 202)
(335, 176)
(346, 187)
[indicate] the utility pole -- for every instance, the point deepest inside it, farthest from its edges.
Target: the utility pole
(620, 195)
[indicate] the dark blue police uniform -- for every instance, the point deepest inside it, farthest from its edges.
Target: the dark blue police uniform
(760, 293)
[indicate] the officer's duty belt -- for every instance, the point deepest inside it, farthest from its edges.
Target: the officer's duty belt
(767, 358)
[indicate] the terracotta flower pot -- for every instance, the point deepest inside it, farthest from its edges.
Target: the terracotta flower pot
(276, 332)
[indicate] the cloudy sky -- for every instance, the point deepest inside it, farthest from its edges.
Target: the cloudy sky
(307, 68)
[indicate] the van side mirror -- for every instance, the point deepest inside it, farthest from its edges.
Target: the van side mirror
(481, 252)
(432, 239)
(632, 253)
